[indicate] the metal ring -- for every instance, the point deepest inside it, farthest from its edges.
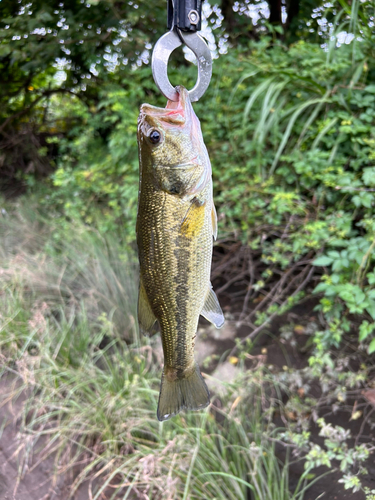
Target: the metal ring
(159, 63)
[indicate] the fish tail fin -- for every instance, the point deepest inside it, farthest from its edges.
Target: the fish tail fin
(189, 393)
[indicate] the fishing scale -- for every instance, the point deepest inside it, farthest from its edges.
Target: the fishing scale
(184, 21)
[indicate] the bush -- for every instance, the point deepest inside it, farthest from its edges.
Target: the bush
(291, 136)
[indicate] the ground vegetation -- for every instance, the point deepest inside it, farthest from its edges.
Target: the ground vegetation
(289, 122)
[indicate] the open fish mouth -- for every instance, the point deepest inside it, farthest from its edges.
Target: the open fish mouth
(175, 112)
(177, 115)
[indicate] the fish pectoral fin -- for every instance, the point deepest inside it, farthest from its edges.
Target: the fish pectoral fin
(212, 310)
(146, 318)
(214, 221)
(187, 393)
(193, 220)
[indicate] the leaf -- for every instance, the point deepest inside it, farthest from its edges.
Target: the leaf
(371, 308)
(365, 330)
(231, 476)
(298, 110)
(347, 295)
(334, 254)
(370, 89)
(45, 17)
(371, 347)
(321, 287)
(356, 415)
(279, 29)
(323, 260)
(368, 176)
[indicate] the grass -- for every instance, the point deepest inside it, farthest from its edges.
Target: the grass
(69, 342)
(272, 111)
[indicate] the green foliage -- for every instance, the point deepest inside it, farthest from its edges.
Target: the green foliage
(63, 343)
(306, 140)
(73, 47)
(102, 174)
(69, 268)
(69, 341)
(291, 136)
(96, 180)
(63, 48)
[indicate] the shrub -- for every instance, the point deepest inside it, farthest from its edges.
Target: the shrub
(291, 136)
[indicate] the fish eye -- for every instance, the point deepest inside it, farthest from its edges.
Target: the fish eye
(154, 136)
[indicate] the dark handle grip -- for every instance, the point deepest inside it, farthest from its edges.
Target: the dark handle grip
(186, 15)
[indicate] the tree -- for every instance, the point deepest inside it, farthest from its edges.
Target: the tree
(73, 47)
(239, 26)
(88, 41)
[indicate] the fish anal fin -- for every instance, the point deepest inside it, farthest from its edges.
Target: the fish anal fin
(146, 317)
(212, 310)
(214, 221)
(187, 393)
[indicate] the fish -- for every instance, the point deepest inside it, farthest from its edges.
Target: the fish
(176, 225)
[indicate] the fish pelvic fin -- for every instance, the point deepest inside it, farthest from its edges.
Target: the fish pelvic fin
(146, 317)
(212, 310)
(187, 393)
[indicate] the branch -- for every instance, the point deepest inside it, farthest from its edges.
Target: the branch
(270, 318)
(24, 111)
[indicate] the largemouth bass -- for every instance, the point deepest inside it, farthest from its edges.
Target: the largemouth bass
(176, 224)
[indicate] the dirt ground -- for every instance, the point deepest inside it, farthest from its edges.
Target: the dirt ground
(39, 481)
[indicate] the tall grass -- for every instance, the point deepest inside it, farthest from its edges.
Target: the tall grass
(69, 341)
(278, 114)
(67, 267)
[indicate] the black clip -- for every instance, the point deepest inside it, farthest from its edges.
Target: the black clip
(186, 15)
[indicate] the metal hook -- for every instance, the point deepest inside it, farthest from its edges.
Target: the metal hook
(160, 56)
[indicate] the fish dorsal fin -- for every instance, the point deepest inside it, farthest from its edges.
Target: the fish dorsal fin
(146, 317)
(212, 310)
(214, 221)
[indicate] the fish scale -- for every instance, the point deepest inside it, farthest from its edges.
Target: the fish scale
(175, 227)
